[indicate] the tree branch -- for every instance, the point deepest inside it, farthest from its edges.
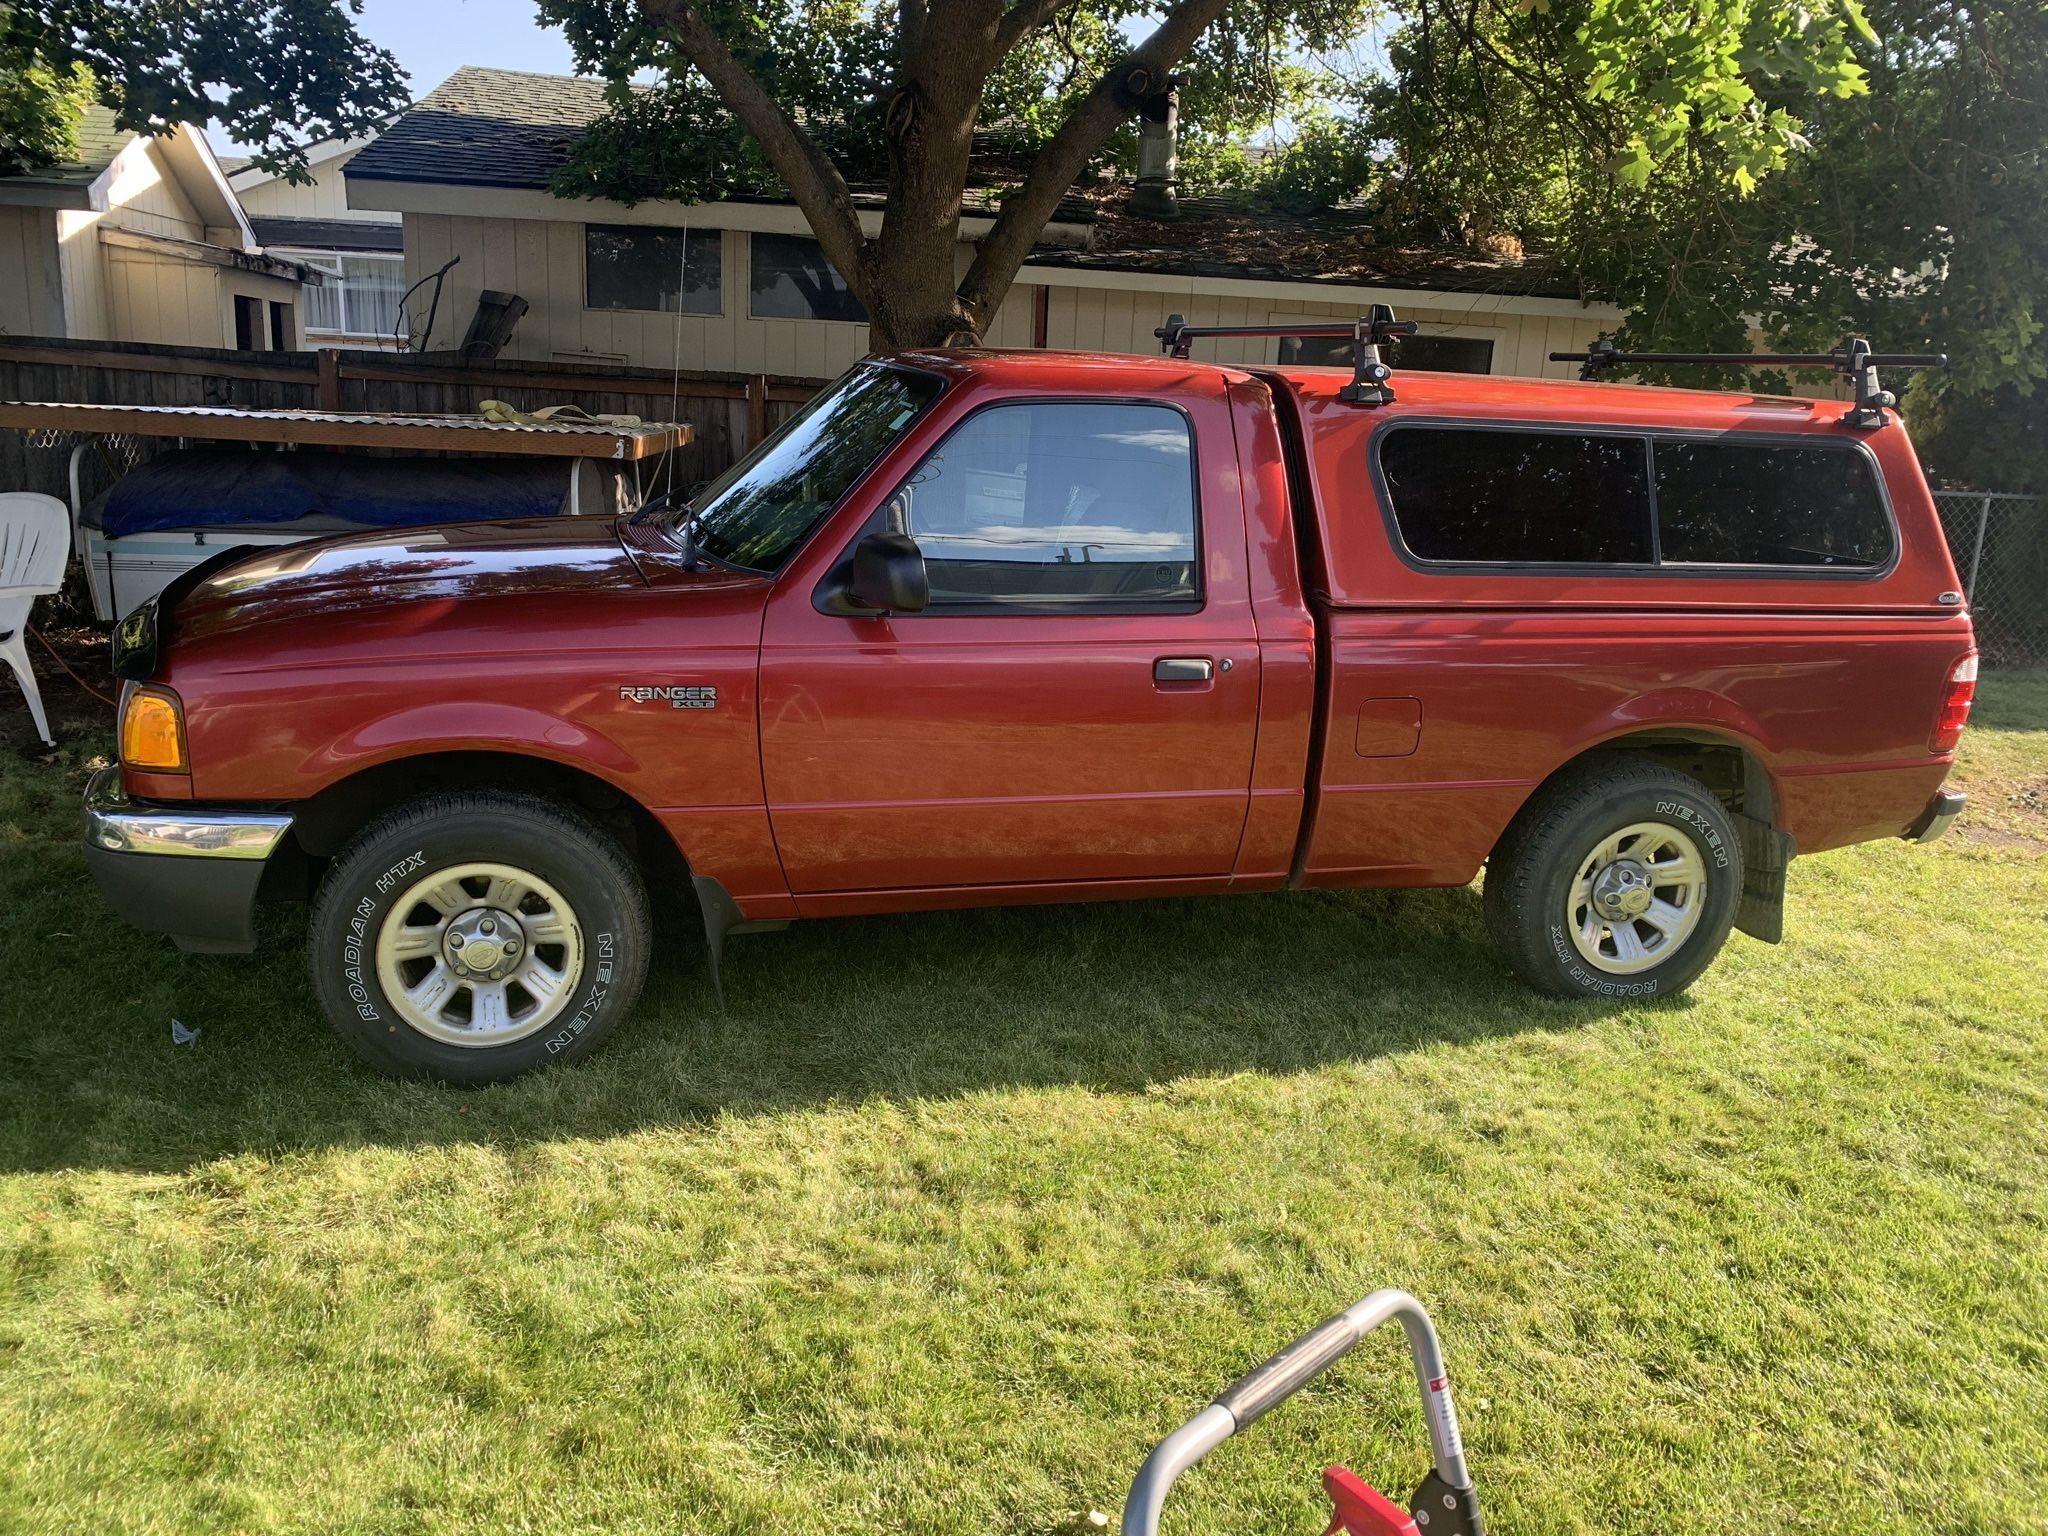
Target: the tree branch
(813, 181)
(1026, 212)
(1021, 20)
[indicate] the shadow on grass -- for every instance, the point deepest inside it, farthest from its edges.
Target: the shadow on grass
(1112, 998)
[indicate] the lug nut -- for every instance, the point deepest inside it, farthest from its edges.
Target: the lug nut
(488, 926)
(455, 941)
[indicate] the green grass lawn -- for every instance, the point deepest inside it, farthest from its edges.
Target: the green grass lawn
(951, 1217)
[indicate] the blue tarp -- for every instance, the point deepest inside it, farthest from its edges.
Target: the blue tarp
(213, 488)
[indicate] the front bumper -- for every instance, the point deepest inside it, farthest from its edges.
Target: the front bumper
(1939, 816)
(190, 872)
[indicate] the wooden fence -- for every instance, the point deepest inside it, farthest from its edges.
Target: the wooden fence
(730, 412)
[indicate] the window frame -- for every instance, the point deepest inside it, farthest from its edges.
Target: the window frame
(1108, 607)
(753, 239)
(686, 232)
(329, 264)
(1656, 569)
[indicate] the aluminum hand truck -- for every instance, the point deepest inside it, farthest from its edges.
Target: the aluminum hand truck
(1445, 1504)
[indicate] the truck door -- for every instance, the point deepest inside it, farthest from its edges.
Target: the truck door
(1078, 702)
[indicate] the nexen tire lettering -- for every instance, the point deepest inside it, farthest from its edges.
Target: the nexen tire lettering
(1678, 810)
(600, 989)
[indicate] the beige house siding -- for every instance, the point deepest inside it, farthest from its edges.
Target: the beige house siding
(541, 260)
(143, 195)
(1116, 319)
(325, 198)
(83, 269)
(31, 290)
(170, 303)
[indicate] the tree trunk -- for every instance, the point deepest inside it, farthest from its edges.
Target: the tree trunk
(905, 275)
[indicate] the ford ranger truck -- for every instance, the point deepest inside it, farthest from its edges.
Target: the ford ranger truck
(980, 627)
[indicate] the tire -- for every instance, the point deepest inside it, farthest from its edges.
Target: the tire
(387, 962)
(1563, 887)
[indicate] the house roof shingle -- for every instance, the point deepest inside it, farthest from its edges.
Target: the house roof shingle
(99, 141)
(485, 128)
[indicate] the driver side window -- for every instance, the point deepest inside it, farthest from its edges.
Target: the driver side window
(1056, 504)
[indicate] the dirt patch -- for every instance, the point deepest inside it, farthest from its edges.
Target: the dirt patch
(75, 714)
(1997, 837)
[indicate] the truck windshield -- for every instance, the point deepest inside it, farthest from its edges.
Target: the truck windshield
(757, 513)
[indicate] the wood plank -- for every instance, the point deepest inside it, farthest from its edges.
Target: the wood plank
(160, 361)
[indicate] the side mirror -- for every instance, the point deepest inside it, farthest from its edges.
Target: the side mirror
(887, 575)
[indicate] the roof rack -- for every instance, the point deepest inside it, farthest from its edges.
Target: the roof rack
(1853, 359)
(1375, 329)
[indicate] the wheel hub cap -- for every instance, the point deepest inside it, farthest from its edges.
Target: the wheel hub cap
(482, 942)
(1622, 889)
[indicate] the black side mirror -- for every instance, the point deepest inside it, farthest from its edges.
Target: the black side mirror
(885, 575)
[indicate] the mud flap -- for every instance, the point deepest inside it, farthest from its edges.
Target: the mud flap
(1766, 852)
(722, 916)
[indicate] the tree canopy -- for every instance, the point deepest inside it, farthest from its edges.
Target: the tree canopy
(277, 74)
(1910, 212)
(817, 96)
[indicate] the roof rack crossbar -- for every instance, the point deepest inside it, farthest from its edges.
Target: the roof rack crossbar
(1853, 360)
(1369, 374)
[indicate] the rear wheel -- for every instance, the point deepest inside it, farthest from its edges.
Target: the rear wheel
(1619, 880)
(473, 937)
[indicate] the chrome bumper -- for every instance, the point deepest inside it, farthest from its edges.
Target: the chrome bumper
(115, 823)
(1939, 816)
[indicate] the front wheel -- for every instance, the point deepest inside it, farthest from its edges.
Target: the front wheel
(473, 937)
(1619, 880)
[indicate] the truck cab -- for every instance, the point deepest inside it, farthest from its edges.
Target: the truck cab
(978, 628)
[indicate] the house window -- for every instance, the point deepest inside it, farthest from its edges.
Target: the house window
(633, 266)
(1428, 354)
(792, 280)
(360, 296)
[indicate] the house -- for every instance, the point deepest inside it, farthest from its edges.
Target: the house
(141, 239)
(740, 285)
(360, 251)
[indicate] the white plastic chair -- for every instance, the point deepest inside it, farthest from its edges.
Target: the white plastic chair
(34, 538)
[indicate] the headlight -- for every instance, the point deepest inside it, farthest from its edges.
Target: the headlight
(153, 731)
(135, 640)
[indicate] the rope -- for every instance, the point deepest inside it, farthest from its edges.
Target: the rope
(88, 687)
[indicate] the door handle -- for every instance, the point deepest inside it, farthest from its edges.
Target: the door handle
(1183, 669)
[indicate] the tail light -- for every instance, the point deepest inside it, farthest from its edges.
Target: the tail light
(1955, 705)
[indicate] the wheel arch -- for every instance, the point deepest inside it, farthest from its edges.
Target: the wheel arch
(1729, 763)
(1732, 766)
(324, 822)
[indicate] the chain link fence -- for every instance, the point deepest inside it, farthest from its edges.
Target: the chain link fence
(2000, 544)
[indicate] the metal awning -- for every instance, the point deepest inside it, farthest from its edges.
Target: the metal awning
(351, 429)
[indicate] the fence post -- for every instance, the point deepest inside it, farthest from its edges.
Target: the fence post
(757, 409)
(1977, 554)
(330, 379)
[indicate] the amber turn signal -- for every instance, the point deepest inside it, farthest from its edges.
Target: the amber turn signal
(153, 731)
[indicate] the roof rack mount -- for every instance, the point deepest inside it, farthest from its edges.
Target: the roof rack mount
(1853, 359)
(1369, 374)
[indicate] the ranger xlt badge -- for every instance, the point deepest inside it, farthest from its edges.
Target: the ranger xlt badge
(686, 696)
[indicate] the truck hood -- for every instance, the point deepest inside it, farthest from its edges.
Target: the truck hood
(455, 560)
(359, 579)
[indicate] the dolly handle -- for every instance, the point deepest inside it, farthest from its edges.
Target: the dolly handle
(1266, 1386)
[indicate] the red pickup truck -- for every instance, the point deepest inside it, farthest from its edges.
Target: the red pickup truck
(982, 627)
